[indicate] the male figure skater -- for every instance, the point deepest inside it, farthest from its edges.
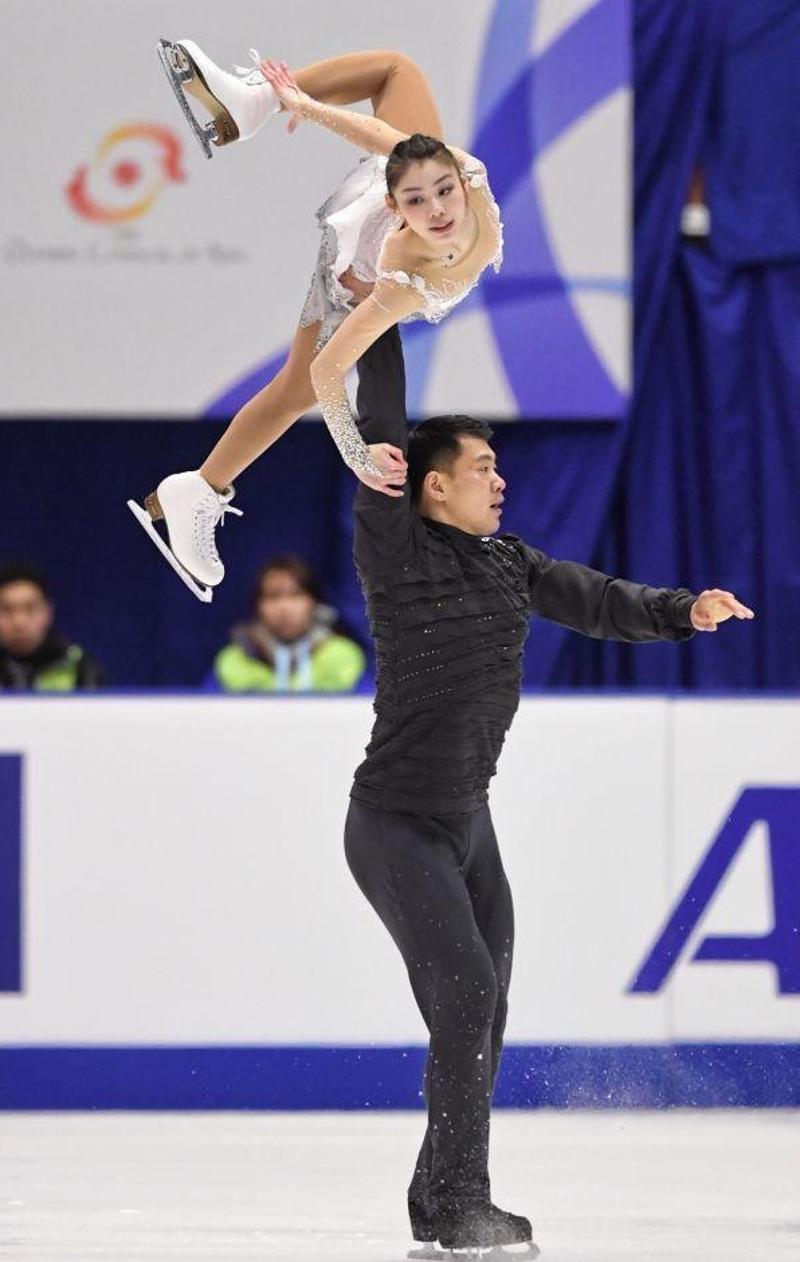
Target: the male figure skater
(449, 604)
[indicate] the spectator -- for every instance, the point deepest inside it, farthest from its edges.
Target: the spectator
(34, 656)
(291, 644)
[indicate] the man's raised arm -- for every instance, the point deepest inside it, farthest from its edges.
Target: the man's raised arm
(382, 523)
(381, 397)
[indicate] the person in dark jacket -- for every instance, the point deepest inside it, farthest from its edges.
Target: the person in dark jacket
(291, 644)
(34, 656)
(450, 601)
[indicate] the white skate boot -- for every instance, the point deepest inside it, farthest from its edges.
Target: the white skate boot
(191, 510)
(239, 106)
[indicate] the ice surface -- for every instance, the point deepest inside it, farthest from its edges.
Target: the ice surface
(600, 1187)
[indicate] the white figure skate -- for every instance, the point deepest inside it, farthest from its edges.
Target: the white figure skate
(191, 510)
(239, 107)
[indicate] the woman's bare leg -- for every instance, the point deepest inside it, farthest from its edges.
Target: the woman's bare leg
(401, 96)
(400, 93)
(266, 416)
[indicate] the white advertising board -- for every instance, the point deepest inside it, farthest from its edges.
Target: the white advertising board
(184, 879)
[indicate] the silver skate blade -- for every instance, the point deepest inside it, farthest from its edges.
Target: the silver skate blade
(511, 1252)
(496, 1253)
(206, 594)
(178, 70)
(426, 1253)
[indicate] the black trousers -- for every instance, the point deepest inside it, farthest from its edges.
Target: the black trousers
(438, 885)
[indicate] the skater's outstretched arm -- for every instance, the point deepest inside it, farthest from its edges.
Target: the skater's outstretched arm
(604, 607)
(616, 609)
(364, 130)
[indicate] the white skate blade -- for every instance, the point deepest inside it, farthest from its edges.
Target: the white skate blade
(206, 594)
(167, 54)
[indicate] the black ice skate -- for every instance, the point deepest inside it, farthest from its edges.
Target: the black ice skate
(481, 1231)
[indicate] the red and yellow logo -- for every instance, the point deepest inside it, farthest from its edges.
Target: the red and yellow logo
(131, 166)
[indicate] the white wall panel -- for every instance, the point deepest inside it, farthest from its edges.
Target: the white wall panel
(720, 747)
(579, 809)
(185, 880)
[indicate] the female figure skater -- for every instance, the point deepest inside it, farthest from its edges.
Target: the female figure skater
(407, 235)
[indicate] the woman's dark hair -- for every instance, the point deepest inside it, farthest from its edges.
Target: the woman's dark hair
(416, 148)
(434, 444)
(300, 571)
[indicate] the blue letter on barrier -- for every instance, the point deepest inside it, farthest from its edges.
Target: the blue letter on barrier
(779, 808)
(10, 872)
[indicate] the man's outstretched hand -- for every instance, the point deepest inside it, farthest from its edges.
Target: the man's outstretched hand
(714, 606)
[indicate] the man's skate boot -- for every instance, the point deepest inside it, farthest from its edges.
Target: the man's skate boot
(191, 511)
(512, 1229)
(238, 106)
(480, 1228)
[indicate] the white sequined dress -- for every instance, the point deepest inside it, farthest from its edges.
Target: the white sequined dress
(354, 222)
(358, 231)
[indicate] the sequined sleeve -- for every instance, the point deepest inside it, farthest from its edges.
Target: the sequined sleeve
(364, 130)
(387, 305)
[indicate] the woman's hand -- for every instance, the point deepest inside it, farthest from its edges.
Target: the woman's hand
(280, 78)
(391, 469)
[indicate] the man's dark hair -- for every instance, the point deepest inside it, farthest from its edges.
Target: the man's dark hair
(415, 148)
(434, 444)
(24, 572)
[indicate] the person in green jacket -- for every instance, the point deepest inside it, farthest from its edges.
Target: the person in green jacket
(34, 656)
(291, 644)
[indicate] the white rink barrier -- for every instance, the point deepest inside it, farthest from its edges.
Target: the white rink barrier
(172, 875)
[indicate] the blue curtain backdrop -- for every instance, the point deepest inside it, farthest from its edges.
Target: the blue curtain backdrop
(705, 490)
(697, 487)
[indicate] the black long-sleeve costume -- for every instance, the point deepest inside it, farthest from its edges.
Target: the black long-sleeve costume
(449, 613)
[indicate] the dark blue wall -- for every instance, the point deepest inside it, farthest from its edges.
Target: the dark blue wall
(63, 487)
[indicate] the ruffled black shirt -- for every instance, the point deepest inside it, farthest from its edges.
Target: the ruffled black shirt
(450, 612)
